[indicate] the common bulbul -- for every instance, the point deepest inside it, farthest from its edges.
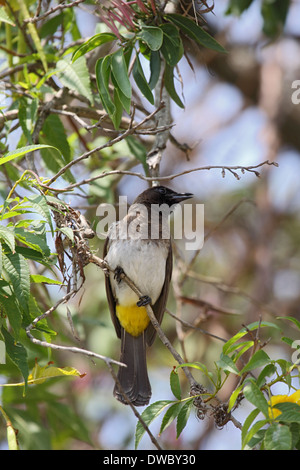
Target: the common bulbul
(139, 246)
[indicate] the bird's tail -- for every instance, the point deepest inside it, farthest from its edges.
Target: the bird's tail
(133, 378)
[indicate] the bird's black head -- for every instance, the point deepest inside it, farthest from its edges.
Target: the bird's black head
(161, 195)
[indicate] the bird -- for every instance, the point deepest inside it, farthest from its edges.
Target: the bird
(139, 245)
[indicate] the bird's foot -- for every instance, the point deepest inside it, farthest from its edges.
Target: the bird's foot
(119, 273)
(144, 300)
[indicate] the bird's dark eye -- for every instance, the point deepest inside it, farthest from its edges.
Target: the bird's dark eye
(162, 190)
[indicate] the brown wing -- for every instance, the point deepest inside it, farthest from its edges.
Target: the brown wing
(110, 297)
(160, 304)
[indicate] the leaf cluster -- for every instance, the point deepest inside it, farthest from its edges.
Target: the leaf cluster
(160, 45)
(256, 378)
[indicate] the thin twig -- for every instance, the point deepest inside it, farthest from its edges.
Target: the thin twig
(59, 7)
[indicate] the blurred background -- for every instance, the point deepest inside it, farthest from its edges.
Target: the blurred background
(238, 111)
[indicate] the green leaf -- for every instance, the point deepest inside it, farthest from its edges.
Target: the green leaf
(7, 234)
(172, 48)
(227, 364)
(290, 412)
(11, 437)
(33, 240)
(274, 13)
(295, 431)
(20, 152)
(259, 359)
(38, 278)
(17, 353)
(236, 7)
(54, 131)
(155, 64)
(292, 319)
(51, 26)
(125, 102)
(175, 384)
(17, 269)
(102, 77)
(183, 416)
(28, 253)
(75, 76)
(117, 116)
(11, 307)
(253, 433)
(267, 371)
(39, 203)
(169, 84)
(251, 327)
(170, 415)
(148, 415)
(137, 149)
(92, 43)
(27, 116)
(195, 32)
(247, 423)
(120, 72)
(236, 346)
(40, 373)
(140, 80)
(233, 397)
(68, 232)
(152, 36)
(255, 396)
(5, 18)
(278, 437)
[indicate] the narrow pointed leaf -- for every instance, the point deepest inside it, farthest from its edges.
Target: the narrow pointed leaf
(102, 76)
(183, 416)
(172, 48)
(148, 415)
(155, 65)
(17, 269)
(259, 359)
(170, 415)
(256, 397)
(17, 353)
(194, 31)
(7, 235)
(170, 87)
(20, 152)
(92, 43)
(140, 80)
(175, 384)
(120, 72)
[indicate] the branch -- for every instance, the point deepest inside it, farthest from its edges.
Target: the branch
(110, 143)
(250, 169)
(60, 7)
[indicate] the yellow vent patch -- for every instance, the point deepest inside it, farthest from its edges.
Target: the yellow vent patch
(133, 319)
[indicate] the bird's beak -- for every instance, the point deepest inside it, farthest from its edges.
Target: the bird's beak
(179, 197)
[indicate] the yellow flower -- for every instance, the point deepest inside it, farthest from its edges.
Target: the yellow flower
(294, 398)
